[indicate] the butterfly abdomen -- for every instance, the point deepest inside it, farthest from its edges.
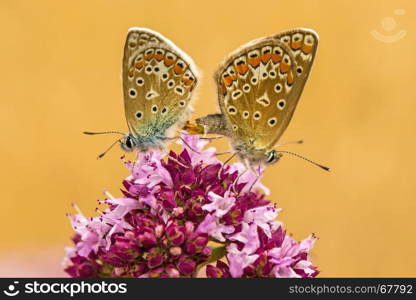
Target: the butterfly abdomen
(214, 124)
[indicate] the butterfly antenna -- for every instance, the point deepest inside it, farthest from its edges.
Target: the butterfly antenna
(104, 132)
(108, 149)
(304, 158)
(289, 142)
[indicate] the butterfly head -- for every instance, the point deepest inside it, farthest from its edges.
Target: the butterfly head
(128, 143)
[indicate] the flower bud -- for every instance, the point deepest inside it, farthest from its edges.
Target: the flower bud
(175, 251)
(154, 258)
(146, 240)
(186, 266)
(172, 272)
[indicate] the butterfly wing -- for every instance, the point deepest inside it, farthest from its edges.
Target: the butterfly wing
(158, 83)
(259, 86)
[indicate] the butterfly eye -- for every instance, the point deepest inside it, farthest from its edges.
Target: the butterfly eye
(154, 109)
(245, 114)
(235, 127)
(139, 115)
(272, 74)
(272, 122)
(278, 88)
(156, 69)
(140, 81)
(232, 110)
(257, 115)
(253, 81)
(299, 70)
(164, 110)
(132, 93)
(128, 142)
(272, 157)
(281, 104)
(132, 45)
(182, 103)
(264, 75)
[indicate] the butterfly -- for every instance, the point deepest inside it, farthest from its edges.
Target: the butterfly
(159, 82)
(259, 86)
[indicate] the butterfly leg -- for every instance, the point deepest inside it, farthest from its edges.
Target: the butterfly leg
(174, 159)
(235, 183)
(222, 153)
(184, 142)
(177, 161)
(211, 138)
(223, 165)
(257, 176)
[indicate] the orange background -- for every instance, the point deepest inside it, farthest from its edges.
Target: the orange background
(60, 75)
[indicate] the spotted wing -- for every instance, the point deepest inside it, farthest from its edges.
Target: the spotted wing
(259, 87)
(158, 83)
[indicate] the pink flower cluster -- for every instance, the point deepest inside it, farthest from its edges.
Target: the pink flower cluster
(180, 214)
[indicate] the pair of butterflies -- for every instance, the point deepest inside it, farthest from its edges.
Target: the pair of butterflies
(259, 86)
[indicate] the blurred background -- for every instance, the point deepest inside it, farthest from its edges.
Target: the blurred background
(60, 75)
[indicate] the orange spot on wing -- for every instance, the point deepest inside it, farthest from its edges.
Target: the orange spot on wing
(178, 70)
(159, 57)
(241, 68)
(187, 81)
(254, 62)
(148, 57)
(139, 64)
(131, 73)
(276, 58)
(290, 78)
(307, 49)
(223, 90)
(227, 80)
(168, 62)
(284, 67)
(265, 57)
(296, 45)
